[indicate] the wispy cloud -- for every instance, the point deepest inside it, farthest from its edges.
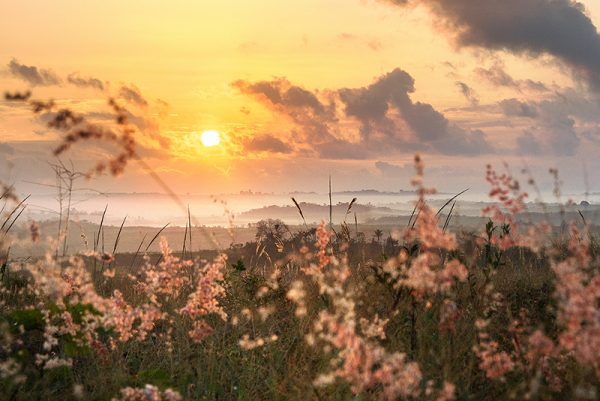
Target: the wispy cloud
(133, 95)
(468, 93)
(84, 82)
(517, 108)
(33, 75)
(497, 76)
(38, 76)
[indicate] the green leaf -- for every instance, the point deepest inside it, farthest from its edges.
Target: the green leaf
(30, 319)
(157, 376)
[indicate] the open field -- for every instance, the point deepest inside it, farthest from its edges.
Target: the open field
(498, 311)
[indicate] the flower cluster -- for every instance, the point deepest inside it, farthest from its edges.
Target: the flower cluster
(428, 271)
(148, 393)
(204, 300)
(578, 294)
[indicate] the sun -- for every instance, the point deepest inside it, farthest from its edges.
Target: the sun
(210, 138)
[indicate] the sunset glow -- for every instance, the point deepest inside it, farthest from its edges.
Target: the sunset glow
(355, 95)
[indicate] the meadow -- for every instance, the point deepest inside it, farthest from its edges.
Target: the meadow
(506, 312)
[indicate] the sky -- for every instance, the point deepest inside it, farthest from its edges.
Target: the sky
(299, 90)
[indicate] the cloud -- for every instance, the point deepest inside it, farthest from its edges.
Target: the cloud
(531, 28)
(528, 144)
(373, 43)
(33, 75)
(282, 94)
(133, 95)
(516, 108)
(468, 93)
(385, 119)
(301, 106)
(592, 135)
(558, 122)
(340, 150)
(561, 134)
(81, 82)
(392, 169)
(553, 131)
(389, 116)
(267, 143)
(497, 76)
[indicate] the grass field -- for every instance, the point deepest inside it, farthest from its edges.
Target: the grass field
(325, 313)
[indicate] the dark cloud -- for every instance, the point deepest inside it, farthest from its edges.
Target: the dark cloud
(82, 82)
(133, 95)
(528, 144)
(497, 76)
(558, 122)
(389, 116)
(392, 169)
(553, 130)
(33, 75)
(389, 120)
(516, 108)
(339, 150)
(281, 93)
(561, 134)
(559, 28)
(592, 135)
(573, 103)
(267, 143)
(468, 93)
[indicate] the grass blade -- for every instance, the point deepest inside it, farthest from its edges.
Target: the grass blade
(582, 218)
(13, 212)
(349, 207)
(155, 237)
(15, 219)
(299, 210)
(450, 200)
(330, 205)
(97, 239)
(184, 241)
(190, 235)
(118, 236)
(137, 252)
(413, 213)
(448, 217)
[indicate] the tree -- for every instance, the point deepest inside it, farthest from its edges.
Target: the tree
(271, 230)
(378, 234)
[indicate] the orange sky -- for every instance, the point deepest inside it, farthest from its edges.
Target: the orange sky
(188, 54)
